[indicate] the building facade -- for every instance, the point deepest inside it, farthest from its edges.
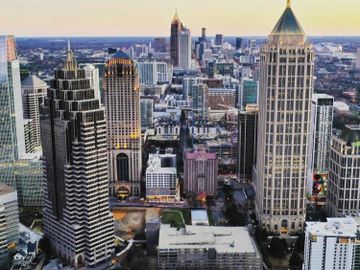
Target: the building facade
(344, 172)
(176, 28)
(185, 49)
(247, 142)
(77, 219)
(147, 112)
(286, 87)
(200, 173)
(33, 92)
(122, 102)
(199, 100)
(221, 98)
(249, 90)
(334, 244)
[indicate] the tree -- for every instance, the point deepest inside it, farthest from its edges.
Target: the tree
(278, 247)
(295, 262)
(299, 245)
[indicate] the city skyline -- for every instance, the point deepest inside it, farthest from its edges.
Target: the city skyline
(236, 17)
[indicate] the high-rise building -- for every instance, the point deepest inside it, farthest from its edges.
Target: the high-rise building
(207, 247)
(153, 72)
(239, 42)
(188, 82)
(203, 35)
(33, 91)
(249, 90)
(122, 102)
(199, 104)
(176, 28)
(184, 49)
(358, 59)
(147, 112)
(219, 39)
(200, 173)
(321, 130)
(247, 142)
(92, 73)
(286, 87)
(221, 98)
(334, 244)
(344, 172)
(9, 220)
(77, 220)
(159, 44)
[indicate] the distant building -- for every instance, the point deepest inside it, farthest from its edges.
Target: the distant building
(333, 244)
(249, 90)
(358, 59)
(200, 173)
(176, 28)
(219, 39)
(122, 102)
(321, 130)
(200, 106)
(147, 112)
(154, 72)
(185, 49)
(221, 98)
(33, 92)
(239, 43)
(161, 178)
(187, 84)
(247, 142)
(9, 220)
(159, 44)
(344, 172)
(207, 247)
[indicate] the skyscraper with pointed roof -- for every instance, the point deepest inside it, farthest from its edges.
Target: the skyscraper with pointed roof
(176, 28)
(286, 87)
(77, 219)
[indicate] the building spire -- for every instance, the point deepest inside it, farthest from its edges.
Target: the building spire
(69, 48)
(70, 62)
(288, 4)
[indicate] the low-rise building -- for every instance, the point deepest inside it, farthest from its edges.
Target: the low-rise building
(207, 247)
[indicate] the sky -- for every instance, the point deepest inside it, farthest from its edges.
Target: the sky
(153, 17)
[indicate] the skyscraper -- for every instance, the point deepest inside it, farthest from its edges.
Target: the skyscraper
(203, 35)
(160, 44)
(122, 102)
(200, 105)
(33, 91)
(219, 39)
(247, 141)
(286, 87)
(176, 28)
(358, 59)
(239, 42)
(92, 73)
(77, 219)
(184, 55)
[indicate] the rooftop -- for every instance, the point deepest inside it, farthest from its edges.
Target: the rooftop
(200, 155)
(222, 239)
(120, 55)
(33, 82)
(4, 189)
(334, 227)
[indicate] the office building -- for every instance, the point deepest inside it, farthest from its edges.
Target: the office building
(219, 39)
(358, 59)
(92, 73)
(334, 244)
(33, 92)
(203, 35)
(199, 104)
(161, 178)
(187, 84)
(122, 102)
(286, 87)
(77, 219)
(176, 28)
(185, 50)
(344, 172)
(147, 112)
(153, 72)
(239, 43)
(159, 44)
(207, 247)
(9, 220)
(200, 173)
(221, 98)
(249, 90)
(247, 143)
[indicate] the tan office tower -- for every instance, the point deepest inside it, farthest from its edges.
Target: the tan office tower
(176, 28)
(122, 102)
(286, 87)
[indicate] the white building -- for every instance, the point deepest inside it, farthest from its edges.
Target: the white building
(286, 87)
(154, 72)
(9, 219)
(334, 245)
(207, 247)
(185, 49)
(161, 175)
(92, 73)
(341, 107)
(343, 195)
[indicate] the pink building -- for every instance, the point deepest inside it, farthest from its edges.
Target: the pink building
(200, 173)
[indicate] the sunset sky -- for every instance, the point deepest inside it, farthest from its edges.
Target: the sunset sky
(153, 17)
